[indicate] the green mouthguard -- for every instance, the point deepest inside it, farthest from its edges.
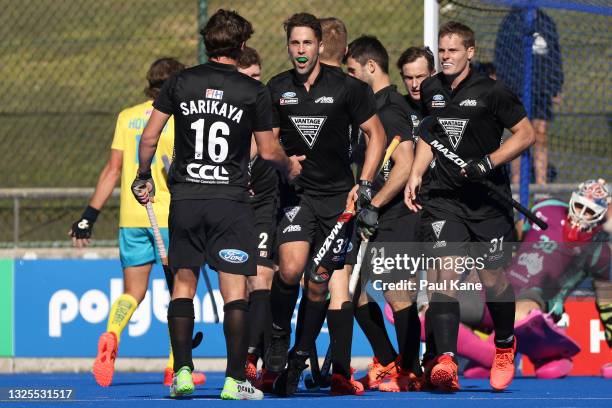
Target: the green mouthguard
(302, 59)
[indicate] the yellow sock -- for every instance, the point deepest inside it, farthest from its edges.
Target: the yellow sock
(120, 314)
(170, 359)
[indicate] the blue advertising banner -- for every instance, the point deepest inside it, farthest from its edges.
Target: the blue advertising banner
(61, 308)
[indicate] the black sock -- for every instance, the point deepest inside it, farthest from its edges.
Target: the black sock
(502, 308)
(430, 341)
(370, 319)
(408, 331)
(180, 324)
(340, 324)
(283, 298)
(314, 316)
(236, 340)
(445, 320)
(260, 321)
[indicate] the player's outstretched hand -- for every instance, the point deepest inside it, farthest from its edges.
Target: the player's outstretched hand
(295, 167)
(143, 188)
(477, 169)
(367, 221)
(410, 193)
(81, 230)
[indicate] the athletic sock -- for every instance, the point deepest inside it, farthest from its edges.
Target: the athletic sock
(236, 341)
(260, 321)
(313, 318)
(430, 341)
(283, 298)
(445, 320)
(502, 308)
(122, 310)
(180, 322)
(170, 355)
(370, 319)
(340, 324)
(408, 332)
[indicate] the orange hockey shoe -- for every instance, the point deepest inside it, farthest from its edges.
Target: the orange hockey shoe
(104, 365)
(377, 373)
(502, 371)
(444, 374)
(340, 385)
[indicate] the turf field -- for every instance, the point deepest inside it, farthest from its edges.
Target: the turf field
(145, 389)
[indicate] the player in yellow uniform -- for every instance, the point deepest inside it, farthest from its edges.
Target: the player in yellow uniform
(137, 248)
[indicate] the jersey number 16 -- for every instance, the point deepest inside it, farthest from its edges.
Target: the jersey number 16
(214, 140)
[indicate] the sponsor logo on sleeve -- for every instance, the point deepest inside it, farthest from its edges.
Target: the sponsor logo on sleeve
(233, 255)
(214, 94)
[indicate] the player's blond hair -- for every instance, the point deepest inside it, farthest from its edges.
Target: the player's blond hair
(334, 39)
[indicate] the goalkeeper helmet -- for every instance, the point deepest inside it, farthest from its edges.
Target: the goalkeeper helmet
(587, 209)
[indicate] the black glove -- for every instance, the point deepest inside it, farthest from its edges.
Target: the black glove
(140, 184)
(364, 194)
(477, 170)
(367, 221)
(82, 228)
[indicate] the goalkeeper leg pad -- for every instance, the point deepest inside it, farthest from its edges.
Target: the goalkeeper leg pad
(540, 338)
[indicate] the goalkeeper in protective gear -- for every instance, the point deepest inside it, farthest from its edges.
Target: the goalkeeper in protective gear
(548, 266)
(137, 248)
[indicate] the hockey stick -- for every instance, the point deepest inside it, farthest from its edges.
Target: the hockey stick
(428, 134)
(325, 368)
(161, 248)
(320, 377)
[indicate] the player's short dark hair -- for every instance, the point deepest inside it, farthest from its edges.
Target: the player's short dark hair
(158, 72)
(413, 53)
(303, 20)
(224, 34)
(457, 28)
(248, 57)
(369, 47)
(334, 38)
